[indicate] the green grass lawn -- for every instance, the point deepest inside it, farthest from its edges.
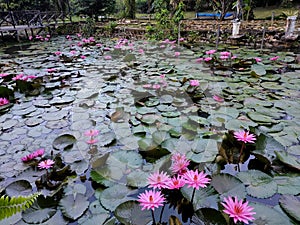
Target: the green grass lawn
(259, 13)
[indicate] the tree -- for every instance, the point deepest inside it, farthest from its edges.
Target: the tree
(222, 6)
(129, 9)
(95, 8)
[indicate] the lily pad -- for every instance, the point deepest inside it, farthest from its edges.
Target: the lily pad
(258, 184)
(208, 216)
(228, 185)
(64, 142)
(291, 205)
(288, 159)
(74, 205)
(19, 187)
(130, 213)
(113, 196)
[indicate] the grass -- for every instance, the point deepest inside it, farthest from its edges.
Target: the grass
(259, 13)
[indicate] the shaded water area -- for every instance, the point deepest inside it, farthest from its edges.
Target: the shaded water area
(140, 96)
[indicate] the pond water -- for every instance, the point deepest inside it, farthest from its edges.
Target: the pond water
(148, 100)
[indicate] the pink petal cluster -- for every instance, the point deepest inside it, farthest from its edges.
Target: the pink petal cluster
(225, 54)
(179, 164)
(238, 210)
(207, 59)
(46, 164)
(195, 179)
(194, 83)
(177, 54)
(3, 74)
(151, 199)
(35, 154)
(58, 53)
(91, 133)
(51, 70)
(244, 136)
(218, 98)
(210, 52)
(24, 77)
(257, 59)
(107, 57)
(176, 183)
(274, 58)
(4, 101)
(159, 180)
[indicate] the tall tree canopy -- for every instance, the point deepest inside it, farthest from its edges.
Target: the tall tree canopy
(95, 8)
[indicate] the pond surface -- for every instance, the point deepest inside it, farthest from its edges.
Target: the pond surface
(148, 100)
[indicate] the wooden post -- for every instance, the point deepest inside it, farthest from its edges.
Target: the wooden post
(178, 40)
(218, 36)
(263, 38)
(272, 18)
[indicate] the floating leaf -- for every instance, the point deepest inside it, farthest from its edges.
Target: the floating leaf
(37, 215)
(291, 205)
(130, 213)
(288, 159)
(258, 70)
(19, 187)
(106, 139)
(208, 216)
(73, 206)
(113, 196)
(267, 215)
(64, 142)
(288, 185)
(258, 184)
(228, 185)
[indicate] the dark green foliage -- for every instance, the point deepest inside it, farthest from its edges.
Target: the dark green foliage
(95, 8)
(12, 205)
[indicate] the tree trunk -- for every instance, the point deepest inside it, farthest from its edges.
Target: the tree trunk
(130, 9)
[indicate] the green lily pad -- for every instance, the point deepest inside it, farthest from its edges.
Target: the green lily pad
(37, 215)
(267, 215)
(291, 205)
(130, 213)
(288, 159)
(258, 70)
(160, 136)
(208, 216)
(19, 187)
(228, 185)
(289, 185)
(204, 197)
(258, 184)
(106, 139)
(74, 205)
(113, 196)
(260, 118)
(64, 142)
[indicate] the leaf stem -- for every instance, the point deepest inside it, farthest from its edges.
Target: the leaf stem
(153, 218)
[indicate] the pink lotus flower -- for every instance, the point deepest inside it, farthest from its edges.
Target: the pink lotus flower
(28, 157)
(141, 51)
(158, 180)
(176, 183)
(92, 141)
(46, 164)
(151, 199)
(78, 35)
(238, 210)
(50, 70)
(38, 153)
(30, 38)
(274, 58)
(218, 98)
(4, 101)
(224, 57)
(179, 164)
(177, 54)
(73, 52)
(98, 45)
(199, 60)
(194, 83)
(244, 136)
(162, 46)
(82, 56)
(225, 53)
(257, 59)
(156, 86)
(91, 133)
(3, 74)
(210, 52)
(57, 53)
(195, 179)
(207, 59)
(107, 57)
(147, 85)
